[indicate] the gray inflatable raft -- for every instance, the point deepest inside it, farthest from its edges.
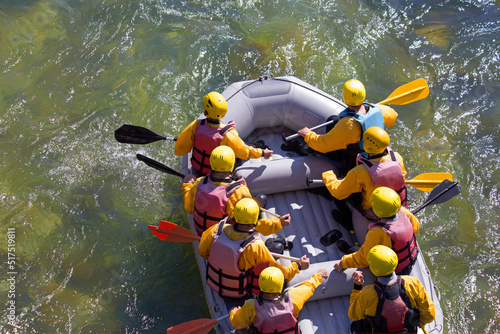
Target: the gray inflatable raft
(265, 109)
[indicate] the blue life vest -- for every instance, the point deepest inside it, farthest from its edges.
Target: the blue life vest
(373, 117)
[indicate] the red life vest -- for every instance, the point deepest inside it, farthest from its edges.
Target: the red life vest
(394, 311)
(210, 202)
(275, 317)
(206, 138)
(386, 174)
(223, 274)
(404, 243)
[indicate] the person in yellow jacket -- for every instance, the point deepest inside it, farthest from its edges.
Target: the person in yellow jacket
(346, 134)
(402, 311)
(212, 197)
(204, 135)
(396, 228)
(228, 240)
(275, 310)
(383, 167)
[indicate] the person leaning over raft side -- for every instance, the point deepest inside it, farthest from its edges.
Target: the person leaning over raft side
(393, 303)
(274, 311)
(212, 197)
(206, 134)
(396, 228)
(232, 251)
(383, 167)
(346, 136)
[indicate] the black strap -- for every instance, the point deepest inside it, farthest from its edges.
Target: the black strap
(225, 129)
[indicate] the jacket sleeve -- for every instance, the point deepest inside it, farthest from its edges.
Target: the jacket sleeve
(375, 236)
(346, 131)
(420, 299)
(241, 150)
(341, 189)
(414, 221)
(189, 194)
(363, 303)
(206, 241)
(244, 316)
(238, 193)
(185, 141)
(268, 226)
(257, 253)
(303, 292)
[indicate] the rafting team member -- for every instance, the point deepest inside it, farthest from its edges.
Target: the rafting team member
(275, 310)
(212, 197)
(232, 251)
(345, 140)
(395, 228)
(381, 167)
(202, 136)
(393, 303)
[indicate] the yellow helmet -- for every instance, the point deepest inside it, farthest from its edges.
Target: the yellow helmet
(354, 93)
(271, 280)
(385, 202)
(246, 211)
(375, 140)
(382, 260)
(214, 105)
(222, 159)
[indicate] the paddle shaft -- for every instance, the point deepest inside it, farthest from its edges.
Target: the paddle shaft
(312, 129)
(186, 235)
(425, 182)
(441, 193)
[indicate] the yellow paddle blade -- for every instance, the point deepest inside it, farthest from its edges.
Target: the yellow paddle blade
(408, 93)
(427, 181)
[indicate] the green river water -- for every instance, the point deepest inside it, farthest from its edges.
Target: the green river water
(76, 255)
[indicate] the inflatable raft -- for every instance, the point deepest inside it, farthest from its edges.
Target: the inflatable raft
(265, 110)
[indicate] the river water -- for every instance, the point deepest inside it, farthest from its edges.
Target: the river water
(75, 204)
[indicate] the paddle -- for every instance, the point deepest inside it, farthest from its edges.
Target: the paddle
(168, 231)
(198, 326)
(132, 134)
(441, 193)
(410, 92)
(425, 182)
(158, 165)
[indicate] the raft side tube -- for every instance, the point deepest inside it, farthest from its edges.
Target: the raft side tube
(282, 175)
(338, 283)
(285, 102)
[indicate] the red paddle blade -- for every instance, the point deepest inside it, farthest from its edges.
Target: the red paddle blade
(199, 326)
(168, 231)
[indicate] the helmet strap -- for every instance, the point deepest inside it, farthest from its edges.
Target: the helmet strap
(237, 227)
(379, 155)
(213, 121)
(214, 178)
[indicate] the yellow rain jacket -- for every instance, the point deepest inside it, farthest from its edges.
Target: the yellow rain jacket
(375, 236)
(357, 179)
(256, 253)
(246, 315)
(185, 142)
(347, 131)
(364, 302)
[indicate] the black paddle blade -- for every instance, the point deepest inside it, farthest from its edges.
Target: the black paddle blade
(158, 165)
(441, 193)
(132, 134)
